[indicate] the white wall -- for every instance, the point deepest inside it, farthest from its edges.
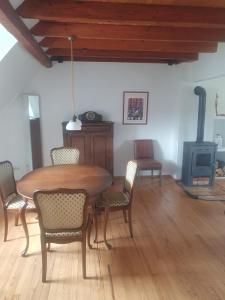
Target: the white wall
(16, 70)
(173, 107)
(208, 66)
(208, 72)
(99, 87)
(15, 134)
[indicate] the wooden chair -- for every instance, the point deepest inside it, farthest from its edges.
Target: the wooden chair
(63, 155)
(144, 155)
(11, 200)
(62, 219)
(114, 201)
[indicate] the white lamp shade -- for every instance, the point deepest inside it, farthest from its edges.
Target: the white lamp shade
(74, 125)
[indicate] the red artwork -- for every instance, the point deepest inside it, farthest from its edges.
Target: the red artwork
(135, 109)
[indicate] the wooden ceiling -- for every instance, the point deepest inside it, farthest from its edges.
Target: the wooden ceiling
(161, 31)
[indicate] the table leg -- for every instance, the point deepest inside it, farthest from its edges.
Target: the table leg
(22, 215)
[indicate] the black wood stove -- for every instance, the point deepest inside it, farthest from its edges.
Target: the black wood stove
(199, 157)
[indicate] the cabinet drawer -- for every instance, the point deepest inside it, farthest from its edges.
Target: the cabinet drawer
(96, 129)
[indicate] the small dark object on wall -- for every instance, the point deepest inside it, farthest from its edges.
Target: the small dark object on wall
(90, 116)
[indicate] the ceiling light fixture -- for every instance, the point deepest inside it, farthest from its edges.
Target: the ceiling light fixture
(75, 123)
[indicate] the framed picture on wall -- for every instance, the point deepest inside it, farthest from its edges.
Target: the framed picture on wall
(135, 107)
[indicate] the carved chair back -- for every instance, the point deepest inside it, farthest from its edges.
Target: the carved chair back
(129, 180)
(62, 210)
(62, 155)
(7, 182)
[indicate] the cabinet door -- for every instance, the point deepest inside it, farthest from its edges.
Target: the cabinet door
(102, 152)
(99, 151)
(81, 143)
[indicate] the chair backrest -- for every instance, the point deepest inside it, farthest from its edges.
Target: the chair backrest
(61, 209)
(130, 177)
(62, 155)
(143, 149)
(7, 180)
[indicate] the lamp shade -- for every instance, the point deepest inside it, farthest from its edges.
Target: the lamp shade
(74, 125)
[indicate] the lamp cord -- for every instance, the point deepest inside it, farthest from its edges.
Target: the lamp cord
(72, 75)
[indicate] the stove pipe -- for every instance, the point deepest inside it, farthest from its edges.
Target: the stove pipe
(200, 91)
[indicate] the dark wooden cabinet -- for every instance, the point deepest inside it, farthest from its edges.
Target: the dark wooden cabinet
(95, 142)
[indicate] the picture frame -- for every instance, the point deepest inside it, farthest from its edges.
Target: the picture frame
(135, 108)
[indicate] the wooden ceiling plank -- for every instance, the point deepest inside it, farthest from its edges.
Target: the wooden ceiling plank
(97, 31)
(123, 13)
(205, 3)
(12, 22)
(123, 54)
(126, 45)
(123, 60)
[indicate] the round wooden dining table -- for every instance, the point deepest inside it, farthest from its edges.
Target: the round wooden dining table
(91, 178)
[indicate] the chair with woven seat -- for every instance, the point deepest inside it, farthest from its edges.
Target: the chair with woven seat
(115, 201)
(144, 155)
(62, 215)
(63, 155)
(11, 200)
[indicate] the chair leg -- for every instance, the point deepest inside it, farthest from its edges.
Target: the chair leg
(125, 215)
(22, 215)
(44, 259)
(89, 225)
(139, 176)
(17, 218)
(160, 177)
(83, 245)
(6, 224)
(105, 227)
(49, 247)
(130, 221)
(96, 227)
(152, 171)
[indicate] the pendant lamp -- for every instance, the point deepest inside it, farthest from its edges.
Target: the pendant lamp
(75, 123)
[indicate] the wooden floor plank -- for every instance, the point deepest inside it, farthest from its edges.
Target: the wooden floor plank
(177, 253)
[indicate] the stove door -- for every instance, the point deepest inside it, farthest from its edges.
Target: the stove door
(203, 162)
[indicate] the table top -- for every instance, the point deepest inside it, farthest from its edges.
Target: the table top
(91, 178)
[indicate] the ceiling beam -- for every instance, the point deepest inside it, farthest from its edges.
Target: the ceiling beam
(123, 54)
(126, 45)
(12, 22)
(117, 59)
(108, 31)
(123, 13)
(205, 3)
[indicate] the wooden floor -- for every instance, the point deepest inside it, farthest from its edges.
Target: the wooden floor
(178, 252)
